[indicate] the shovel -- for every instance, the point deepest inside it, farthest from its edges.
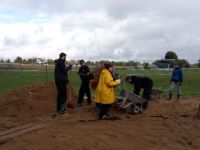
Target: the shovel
(70, 103)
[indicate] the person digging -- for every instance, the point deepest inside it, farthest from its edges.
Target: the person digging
(141, 83)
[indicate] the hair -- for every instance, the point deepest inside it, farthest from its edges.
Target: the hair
(107, 66)
(128, 78)
(62, 55)
(81, 61)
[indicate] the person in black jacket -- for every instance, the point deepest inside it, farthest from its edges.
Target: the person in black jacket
(61, 80)
(141, 83)
(85, 76)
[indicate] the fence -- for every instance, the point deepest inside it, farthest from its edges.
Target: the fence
(46, 71)
(43, 71)
(19, 75)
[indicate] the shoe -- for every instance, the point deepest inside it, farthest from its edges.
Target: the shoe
(61, 112)
(178, 98)
(170, 96)
(104, 117)
(144, 105)
(107, 117)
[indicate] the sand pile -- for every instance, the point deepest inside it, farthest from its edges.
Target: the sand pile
(27, 104)
(164, 125)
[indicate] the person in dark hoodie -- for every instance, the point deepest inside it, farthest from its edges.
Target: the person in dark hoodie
(61, 81)
(85, 76)
(141, 83)
(176, 81)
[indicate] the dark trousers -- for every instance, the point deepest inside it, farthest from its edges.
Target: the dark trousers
(147, 94)
(62, 96)
(147, 91)
(104, 109)
(84, 89)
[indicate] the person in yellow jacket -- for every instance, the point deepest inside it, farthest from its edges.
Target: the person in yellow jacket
(105, 95)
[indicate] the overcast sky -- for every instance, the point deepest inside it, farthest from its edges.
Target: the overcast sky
(100, 29)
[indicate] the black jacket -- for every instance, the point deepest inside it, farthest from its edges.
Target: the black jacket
(61, 71)
(84, 72)
(141, 83)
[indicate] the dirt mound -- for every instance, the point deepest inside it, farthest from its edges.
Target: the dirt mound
(28, 104)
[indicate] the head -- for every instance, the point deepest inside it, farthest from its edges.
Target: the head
(128, 79)
(82, 62)
(176, 65)
(63, 56)
(108, 66)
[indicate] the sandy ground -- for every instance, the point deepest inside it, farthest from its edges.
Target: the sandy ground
(165, 125)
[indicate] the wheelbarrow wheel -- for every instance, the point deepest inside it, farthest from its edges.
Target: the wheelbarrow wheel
(135, 109)
(118, 101)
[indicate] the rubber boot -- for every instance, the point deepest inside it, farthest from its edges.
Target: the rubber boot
(170, 96)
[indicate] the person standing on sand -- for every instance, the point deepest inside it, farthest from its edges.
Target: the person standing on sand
(61, 81)
(86, 76)
(104, 95)
(176, 81)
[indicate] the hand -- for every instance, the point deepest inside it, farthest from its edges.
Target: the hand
(118, 81)
(70, 66)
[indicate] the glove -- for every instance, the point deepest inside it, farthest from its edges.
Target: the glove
(118, 81)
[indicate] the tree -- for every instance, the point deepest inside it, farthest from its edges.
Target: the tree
(89, 63)
(24, 61)
(2, 60)
(156, 62)
(50, 61)
(146, 65)
(133, 63)
(199, 63)
(171, 55)
(8, 61)
(32, 60)
(41, 61)
(18, 60)
(184, 63)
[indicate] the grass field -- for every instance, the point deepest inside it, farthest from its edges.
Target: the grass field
(11, 80)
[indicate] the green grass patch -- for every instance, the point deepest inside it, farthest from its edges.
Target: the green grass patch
(12, 79)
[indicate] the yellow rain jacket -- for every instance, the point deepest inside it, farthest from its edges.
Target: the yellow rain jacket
(105, 89)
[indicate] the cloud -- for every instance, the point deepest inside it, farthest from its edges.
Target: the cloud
(106, 29)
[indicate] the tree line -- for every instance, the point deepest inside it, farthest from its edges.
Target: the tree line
(170, 55)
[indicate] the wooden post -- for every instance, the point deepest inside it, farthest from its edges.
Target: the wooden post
(20, 69)
(198, 112)
(46, 76)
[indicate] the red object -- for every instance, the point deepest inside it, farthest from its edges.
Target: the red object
(70, 104)
(94, 84)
